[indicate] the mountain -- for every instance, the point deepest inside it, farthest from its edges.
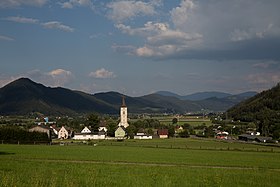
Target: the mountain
(263, 106)
(205, 95)
(263, 110)
(24, 96)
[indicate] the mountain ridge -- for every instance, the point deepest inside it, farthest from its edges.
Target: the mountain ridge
(24, 96)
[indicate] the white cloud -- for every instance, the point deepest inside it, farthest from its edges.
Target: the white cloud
(19, 19)
(161, 40)
(54, 78)
(102, 74)
(126, 10)
(73, 3)
(6, 38)
(18, 3)
(57, 25)
(60, 77)
(180, 14)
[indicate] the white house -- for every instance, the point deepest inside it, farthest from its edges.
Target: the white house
(63, 133)
(89, 136)
(102, 126)
(141, 135)
(86, 134)
(86, 130)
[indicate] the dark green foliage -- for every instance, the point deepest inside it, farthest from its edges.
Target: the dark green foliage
(184, 134)
(262, 109)
(12, 134)
(174, 121)
(171, 131)
(93, 121)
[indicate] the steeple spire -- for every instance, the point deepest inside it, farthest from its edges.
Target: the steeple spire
(123, 101)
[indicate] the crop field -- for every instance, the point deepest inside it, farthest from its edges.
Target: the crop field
(140, 163)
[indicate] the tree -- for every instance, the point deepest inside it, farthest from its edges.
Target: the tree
(111, 126)
(171, 131)
(93, 121)
(184, 134)
(174, 121)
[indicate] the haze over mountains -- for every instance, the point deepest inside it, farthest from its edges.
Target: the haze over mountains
(24, 96)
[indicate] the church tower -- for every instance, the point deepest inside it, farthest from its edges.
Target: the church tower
(123, 114)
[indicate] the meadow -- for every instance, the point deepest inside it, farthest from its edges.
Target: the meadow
(140, 163)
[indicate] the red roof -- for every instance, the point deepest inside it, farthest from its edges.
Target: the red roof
(162, 131)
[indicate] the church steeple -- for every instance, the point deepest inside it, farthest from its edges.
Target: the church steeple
(123, 101)
(123, 114)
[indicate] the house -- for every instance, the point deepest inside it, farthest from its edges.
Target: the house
(102, 126)
(120, 132)
(141, 135)
(162, 133)
(87, 134)
(63, 133)
(222, 135)
(90, 136)
(42, 129)
(86, 130)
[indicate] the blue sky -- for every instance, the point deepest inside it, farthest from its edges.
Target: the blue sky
(139, 47)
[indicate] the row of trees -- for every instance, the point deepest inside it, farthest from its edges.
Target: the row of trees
(14, 134)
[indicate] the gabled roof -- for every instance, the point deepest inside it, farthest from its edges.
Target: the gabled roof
(122, 127)
(41, 126)
(162, 131)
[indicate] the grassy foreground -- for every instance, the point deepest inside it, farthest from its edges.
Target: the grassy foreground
(111, 165)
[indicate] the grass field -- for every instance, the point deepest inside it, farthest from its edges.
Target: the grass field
(140, 163)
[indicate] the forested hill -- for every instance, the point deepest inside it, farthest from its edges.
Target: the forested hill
(23, 96)
(263, 109)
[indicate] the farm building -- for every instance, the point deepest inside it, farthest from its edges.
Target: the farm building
(141, 135)
(87, 134)
(222, 135)
(103, 126)
(162, 133)
(42, 129)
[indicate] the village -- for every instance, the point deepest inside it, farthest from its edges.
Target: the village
(121, 131)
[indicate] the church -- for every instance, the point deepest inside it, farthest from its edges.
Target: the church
(123, 124)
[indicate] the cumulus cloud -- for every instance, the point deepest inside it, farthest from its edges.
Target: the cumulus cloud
(54, 78)
(6, 38)
(160, 39)
(125, 10)
(57, 25)
(180, 14)
(73, 3)
(57, 77)
(18, 3)
(102, 74)
(19, 19)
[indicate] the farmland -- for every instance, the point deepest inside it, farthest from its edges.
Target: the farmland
(172, 162)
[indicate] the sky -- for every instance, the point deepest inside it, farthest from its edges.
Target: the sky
(140, 47)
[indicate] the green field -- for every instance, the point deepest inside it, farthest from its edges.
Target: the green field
(141, 163)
